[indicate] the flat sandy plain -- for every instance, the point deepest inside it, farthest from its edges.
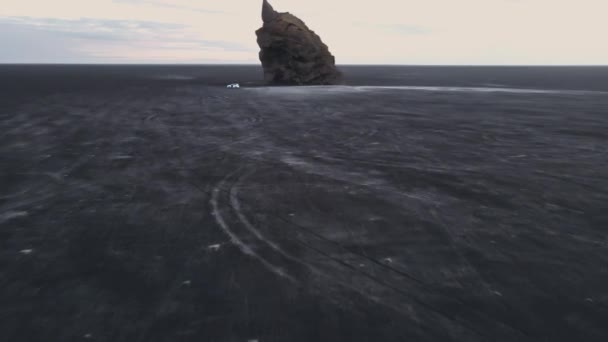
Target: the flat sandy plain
(147, 204)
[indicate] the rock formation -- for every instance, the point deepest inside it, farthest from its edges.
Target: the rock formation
(291, 53)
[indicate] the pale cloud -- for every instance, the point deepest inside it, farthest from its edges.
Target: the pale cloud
(26, 44)
(397, 28)
(86, 40)
(171, 5)
(383, 31)
(96, 29)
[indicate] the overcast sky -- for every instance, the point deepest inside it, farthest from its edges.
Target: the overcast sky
(357, 32)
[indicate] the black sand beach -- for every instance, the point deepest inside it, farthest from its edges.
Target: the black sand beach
(149, 203)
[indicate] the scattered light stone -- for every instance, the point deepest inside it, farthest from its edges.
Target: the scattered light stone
(292, 214)
(88, 336)
(215, 247)
(497, 293)
(361, 265)
(26, 251)
(388, 260)
(187, 283)
(590, 300)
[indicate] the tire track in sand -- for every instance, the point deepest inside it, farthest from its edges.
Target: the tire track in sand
(234, 238)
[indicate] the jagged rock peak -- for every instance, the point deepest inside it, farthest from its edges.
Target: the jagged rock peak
(268, 13)
(291, 53)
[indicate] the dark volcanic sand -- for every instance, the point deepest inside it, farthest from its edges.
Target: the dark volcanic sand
(341, 213)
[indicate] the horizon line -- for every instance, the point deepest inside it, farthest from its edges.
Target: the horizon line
(344, 64)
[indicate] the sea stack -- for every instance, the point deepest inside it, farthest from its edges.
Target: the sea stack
(291, 53)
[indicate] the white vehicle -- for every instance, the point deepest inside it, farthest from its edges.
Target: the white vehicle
(233, 85)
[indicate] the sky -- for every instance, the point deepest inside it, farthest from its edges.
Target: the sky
(414, 32)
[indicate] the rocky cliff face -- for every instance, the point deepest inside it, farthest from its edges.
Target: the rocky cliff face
(291, 53)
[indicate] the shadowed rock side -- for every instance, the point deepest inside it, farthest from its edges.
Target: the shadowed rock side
(291, 53)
